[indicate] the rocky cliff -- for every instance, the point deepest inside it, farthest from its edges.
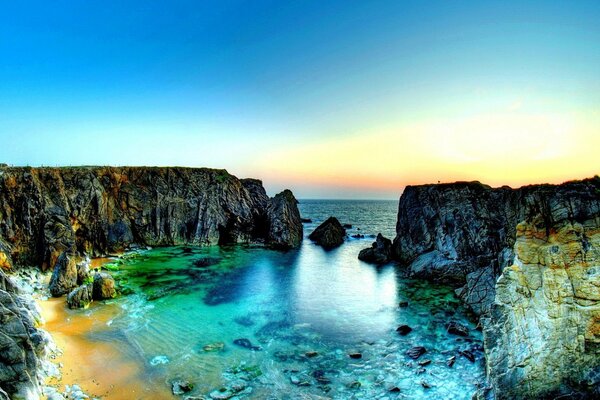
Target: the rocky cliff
(527, 260)
(101, 210)
(22, 346)
(50, 217)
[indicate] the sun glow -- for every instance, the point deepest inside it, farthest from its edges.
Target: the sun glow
(510, 147)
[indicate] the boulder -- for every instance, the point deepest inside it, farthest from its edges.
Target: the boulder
(380, 251)
(329, 234)
(81, 297)
(64, 277)
(104, 286)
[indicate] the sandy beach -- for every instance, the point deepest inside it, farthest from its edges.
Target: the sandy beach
(100, 368)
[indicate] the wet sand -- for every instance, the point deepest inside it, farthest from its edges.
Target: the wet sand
(102, 369)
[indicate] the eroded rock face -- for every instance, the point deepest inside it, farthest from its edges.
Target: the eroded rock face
(463, 233)
(526, 259)
(21, 344)
(329, 234)
(64, 277)
(101, 210)
(380, 251)
(547, 312)
(285, 227)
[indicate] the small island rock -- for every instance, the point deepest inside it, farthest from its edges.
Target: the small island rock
(329, 234)
(379, 252)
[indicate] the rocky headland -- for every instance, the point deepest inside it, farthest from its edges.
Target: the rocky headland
(54, 218)
(528, 261)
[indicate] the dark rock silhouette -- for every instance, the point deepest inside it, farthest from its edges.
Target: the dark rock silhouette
(329, 234)
(380, 251)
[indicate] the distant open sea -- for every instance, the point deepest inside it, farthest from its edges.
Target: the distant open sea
(367, 217)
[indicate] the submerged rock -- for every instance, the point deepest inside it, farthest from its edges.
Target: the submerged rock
(379, 253)
(206, 262)
(329, 234)
(456, 328)
(217, 346)
(180, 387)
(416, 352)
(247, 344)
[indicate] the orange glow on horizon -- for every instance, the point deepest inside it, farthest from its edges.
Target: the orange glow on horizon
(511, 148)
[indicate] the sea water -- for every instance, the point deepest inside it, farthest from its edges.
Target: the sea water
(249, 322)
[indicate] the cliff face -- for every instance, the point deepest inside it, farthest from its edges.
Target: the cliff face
(525, 258)
(544, 327)
(99, 210)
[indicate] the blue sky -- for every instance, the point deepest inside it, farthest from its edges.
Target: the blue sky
(271, 88)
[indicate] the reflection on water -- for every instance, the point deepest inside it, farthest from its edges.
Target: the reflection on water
(246, 322)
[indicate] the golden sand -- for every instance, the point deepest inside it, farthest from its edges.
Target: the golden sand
(100, 368)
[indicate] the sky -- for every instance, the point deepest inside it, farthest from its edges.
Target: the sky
(332, 99)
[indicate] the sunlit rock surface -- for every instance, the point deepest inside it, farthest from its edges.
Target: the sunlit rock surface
(543, 337)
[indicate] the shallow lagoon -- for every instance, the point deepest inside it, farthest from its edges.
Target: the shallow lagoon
(301, 314)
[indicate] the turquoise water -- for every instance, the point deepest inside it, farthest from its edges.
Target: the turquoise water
(296, 317)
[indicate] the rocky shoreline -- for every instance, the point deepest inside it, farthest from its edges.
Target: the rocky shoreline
(54, 218)
(527, 261)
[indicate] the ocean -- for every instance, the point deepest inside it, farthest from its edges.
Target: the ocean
(249, 322)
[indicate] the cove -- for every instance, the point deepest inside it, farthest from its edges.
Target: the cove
(248, 322)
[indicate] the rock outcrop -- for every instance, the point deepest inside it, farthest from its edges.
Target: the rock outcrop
(21, 344)
(286, 229)
(102, 210)
(380, 251)
(527, 260)
(329, 234)
(65, 274)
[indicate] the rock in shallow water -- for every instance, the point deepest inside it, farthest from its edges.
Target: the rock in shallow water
(104, 286)
(379, 253)
(416, 352)
(329, 234)
(247, 344)
(457, 328)
(180, 387)
(81, 297)
(404, 330)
